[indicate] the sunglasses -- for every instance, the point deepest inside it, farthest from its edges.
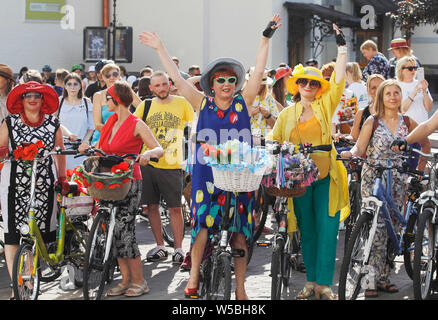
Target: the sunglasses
(72, 84)
(108, 97)
(30, 95)
(115, 74)
(410, 68)
(222, 80)
(313, 83)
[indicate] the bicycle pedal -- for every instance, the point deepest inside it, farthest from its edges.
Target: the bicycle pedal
(264, 244)
(192, 296)
(237, 253)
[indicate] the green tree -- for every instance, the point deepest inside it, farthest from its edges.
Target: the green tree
(413, 13)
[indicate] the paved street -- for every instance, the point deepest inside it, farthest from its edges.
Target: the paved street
(167, 281)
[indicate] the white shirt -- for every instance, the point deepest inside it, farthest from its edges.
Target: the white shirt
(360, 92)
(416, 111)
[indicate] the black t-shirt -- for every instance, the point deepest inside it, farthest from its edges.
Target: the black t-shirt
(93, 88)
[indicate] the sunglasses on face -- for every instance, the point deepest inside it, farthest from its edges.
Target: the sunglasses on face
(222, 80)
(411, 68)
(108, 97)
(313, 83)
(72, 85)
(30, 95)
(115, 74)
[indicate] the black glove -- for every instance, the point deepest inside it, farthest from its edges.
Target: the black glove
(340, 39)
(400, 143)
(269, 31)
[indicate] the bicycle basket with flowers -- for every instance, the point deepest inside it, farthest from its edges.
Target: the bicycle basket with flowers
(291, 173)
(106, 183)
(236, 166)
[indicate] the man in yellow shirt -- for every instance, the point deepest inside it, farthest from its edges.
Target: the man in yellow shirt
(166, 118)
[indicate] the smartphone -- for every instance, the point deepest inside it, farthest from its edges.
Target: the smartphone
(420, 74)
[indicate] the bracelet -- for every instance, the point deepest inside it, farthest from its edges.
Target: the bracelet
(342, 50)
(269, 116)
(411, 98)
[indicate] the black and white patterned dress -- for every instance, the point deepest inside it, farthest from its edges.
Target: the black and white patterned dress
(15, 181)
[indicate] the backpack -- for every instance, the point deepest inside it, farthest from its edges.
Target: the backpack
(406, 120)
(147, 107)
(62, 102)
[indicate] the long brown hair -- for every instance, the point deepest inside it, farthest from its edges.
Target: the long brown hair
(78, 79)
(278, 92)
(379, 106)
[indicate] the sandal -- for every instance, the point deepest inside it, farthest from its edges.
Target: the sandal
(307, 291)
(118, 290)
(325, 294)
(371, 293)
(387, 287)
(136, 290)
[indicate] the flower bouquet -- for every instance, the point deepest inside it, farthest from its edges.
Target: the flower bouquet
(236, 166)
(26, 152)
(291, 173)
(102, 184)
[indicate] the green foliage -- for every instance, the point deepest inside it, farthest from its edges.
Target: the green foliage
(413, 13)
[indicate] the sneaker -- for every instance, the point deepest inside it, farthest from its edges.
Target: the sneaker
(157, 254)
(177, 257)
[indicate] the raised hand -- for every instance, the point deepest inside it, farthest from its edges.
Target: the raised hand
(150, 39)
(340, 38)
(273, 25)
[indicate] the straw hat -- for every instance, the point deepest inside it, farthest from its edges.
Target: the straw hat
(398, 43)
(265, 80)
(311, 73)
(6, 72)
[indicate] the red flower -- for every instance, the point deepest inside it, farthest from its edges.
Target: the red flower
(114, 185)
(221, 200)
(120, 168)
(126, 180)
(241, 208)
(99, 185)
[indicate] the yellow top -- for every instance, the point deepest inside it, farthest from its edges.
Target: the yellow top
(323, 109)
(311, 130)
(166, 122)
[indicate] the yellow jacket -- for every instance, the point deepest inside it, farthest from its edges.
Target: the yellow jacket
(323, 108)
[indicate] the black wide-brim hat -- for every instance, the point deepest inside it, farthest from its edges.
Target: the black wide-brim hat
(227, 63)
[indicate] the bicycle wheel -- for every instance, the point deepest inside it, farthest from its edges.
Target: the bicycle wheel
(221, 279)
(25, 284)
(49, 273)
(75, 249)
(96, 270)
(355, 204)
(351, 270)
(409, 241)
(276, 269)
(424, 255)
(166, 225)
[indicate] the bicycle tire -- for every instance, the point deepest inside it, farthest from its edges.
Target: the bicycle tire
(221, 279)
(95, 269)
(276, 274)
(409, 242)
(76, 250)
(205, 271)
(355, 204)
(358, 237)
(423, 271)
(21, 290)
(166, 225)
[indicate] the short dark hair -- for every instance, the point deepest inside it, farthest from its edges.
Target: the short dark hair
(124, 92)
(143, 88)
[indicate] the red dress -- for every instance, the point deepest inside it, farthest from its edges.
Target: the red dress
(123, 141)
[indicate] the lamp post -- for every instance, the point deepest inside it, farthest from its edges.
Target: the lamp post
(113, 31)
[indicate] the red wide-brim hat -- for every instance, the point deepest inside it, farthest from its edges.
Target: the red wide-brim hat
(14, 102)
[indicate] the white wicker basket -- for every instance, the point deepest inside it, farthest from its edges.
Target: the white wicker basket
(237, 181)
(78, 206)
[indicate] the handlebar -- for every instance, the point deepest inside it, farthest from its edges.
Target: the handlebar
(93, 151)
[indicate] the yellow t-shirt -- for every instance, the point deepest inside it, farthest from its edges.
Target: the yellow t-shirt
(311, 129)
(166, 122)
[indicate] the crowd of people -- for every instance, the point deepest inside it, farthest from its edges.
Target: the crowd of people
(120, 113)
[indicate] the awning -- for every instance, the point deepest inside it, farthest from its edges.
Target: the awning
(340, 18)
(380, 6)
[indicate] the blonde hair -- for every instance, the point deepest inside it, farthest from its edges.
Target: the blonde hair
(369, 44)
(379, 106)
(354, 69)
(328, 69)
(402, 63)
(372, 77)
(108, 67)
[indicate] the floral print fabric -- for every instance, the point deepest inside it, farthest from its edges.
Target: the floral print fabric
(378, 64)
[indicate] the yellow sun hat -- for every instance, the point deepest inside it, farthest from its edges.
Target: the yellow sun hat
(311, 73)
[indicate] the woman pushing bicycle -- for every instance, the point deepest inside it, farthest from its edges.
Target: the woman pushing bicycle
(319, 211)
(375, 139)
(224, 108)
(31, 106)
(125, 133)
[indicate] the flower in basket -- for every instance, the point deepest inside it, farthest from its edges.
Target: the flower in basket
(120, 168)
(99, 185)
